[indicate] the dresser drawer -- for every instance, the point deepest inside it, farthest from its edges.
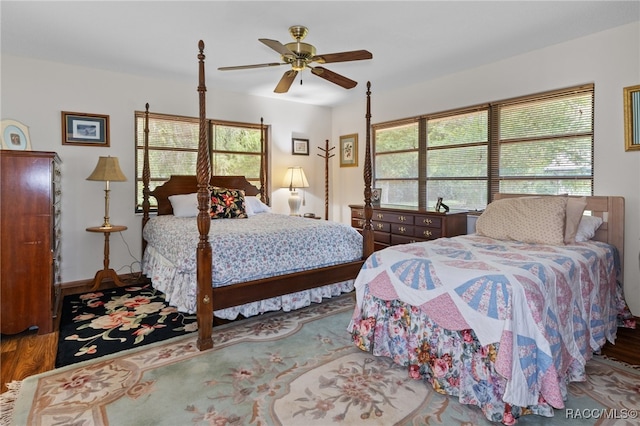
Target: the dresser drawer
(402, 239)
(393, 217)
(402, 229)
(382, 237)
(357, 214)
(381, 226)
(357, 223)
(427, 233)
(430, 221)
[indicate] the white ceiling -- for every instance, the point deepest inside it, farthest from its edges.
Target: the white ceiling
(411, 41)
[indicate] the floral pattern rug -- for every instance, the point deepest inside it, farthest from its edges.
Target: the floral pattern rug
(297, 368)
(109, 321)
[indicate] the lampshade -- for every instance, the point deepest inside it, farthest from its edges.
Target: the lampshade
(295, 178)
(108, 169)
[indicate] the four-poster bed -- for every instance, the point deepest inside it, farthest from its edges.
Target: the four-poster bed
(209, 298)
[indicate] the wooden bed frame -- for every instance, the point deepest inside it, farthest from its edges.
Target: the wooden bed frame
(209, 298)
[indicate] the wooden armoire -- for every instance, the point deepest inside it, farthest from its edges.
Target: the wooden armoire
(30, 214)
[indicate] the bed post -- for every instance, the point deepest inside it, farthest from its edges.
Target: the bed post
(146, 175)
(367, 228)
(263, 165)
(204, 295)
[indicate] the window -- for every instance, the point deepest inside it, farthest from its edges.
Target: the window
(536, 144)
(235, 149)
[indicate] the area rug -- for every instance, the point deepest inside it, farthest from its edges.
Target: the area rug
(298, 368)
(108, 321)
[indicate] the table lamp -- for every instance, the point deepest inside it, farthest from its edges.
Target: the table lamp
(107, 170)
(294, 178)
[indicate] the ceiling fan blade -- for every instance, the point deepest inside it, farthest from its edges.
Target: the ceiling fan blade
(333, 77)
(286, 81)
(277, 46)
(355, 55)
(245, 67)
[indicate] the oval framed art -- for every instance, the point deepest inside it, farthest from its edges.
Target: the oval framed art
(15, 136)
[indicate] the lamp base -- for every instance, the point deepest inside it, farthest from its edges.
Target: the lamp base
(294, 204)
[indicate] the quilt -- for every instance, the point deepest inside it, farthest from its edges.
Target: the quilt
(536, 312)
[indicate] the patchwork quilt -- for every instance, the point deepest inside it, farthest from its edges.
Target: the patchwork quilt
(532, 313)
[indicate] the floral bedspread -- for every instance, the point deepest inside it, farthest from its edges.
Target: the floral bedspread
(260, 246)
(502, 325)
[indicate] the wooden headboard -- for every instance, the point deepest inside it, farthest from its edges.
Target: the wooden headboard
(187, 184)
(610, 209)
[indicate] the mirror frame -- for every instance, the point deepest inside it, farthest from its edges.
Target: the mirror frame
(631, 100)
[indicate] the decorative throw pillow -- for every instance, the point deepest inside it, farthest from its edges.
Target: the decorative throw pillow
(227, 204)
(184, 205)
(575, 209)
(538, 220)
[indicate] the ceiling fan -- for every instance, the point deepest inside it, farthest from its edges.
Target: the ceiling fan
(300, 55)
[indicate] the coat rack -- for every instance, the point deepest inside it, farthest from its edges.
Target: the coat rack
(326, 155)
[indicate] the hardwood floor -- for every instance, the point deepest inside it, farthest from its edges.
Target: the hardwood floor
(25, 354)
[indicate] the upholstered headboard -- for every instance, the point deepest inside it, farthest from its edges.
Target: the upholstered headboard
(610, 209)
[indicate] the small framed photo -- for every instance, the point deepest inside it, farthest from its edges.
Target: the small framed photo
(376, 196)
(349, 150)
(299, 146)
(85, 129)
(15, 136)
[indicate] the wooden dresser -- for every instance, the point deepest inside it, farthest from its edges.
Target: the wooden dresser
(400, 224)
(30, 239)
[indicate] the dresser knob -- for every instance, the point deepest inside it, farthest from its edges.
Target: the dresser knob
(402, 218)
(427, 233)
(427, 221)
(402, 229)
(380, 226)
(380, 216)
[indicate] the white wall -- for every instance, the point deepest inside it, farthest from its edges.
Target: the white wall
(35, 92)
(610, 59)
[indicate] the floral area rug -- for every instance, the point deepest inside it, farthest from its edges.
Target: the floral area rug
(109, 321)
(297, 368)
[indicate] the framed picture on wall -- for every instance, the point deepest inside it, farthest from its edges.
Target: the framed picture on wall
(631, 118)
(299, 146)
(15, 136)
(85, 129)
(349, 150)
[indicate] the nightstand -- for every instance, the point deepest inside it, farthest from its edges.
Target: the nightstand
(106, 272)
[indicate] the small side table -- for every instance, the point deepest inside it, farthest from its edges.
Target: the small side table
(106, 272)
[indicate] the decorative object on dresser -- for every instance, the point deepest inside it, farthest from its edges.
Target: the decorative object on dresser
(349, 150)
(30, 213)
(15, 136)
(107, 170)
(85, 129)
(295, 178)
(632, 117)
(299, 146)
(404, 224)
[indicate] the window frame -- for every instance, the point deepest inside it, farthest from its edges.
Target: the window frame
(493, 109)
(211, 124)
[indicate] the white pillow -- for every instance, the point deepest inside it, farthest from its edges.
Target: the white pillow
(253, 206)
(575, 209)
(184, 205)
(587, 228)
